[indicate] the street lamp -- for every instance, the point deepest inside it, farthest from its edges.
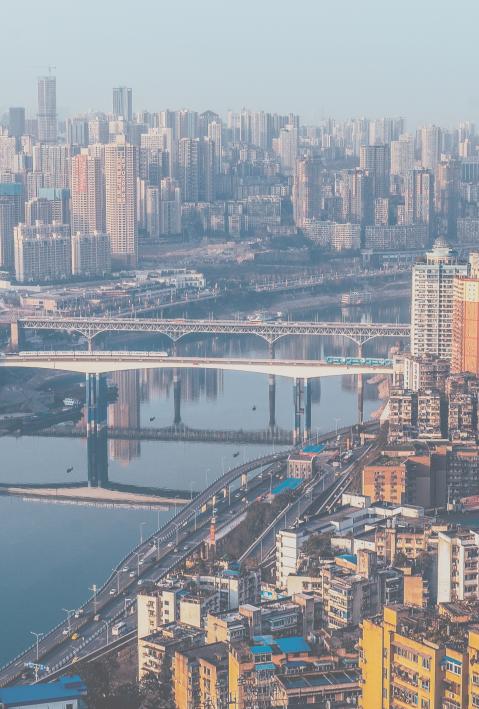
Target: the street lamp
(68, 612)
(138, 561)
(37, 636)
(105, 622)
(93, 590)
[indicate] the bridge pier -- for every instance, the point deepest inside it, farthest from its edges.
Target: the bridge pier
(177, 397)
(307, 409)
(97, 432)
(298, 409)
(16, 336)
(360, 388)
(244, 480)
(272, 400)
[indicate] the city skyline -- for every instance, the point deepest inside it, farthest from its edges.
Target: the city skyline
(213, 61)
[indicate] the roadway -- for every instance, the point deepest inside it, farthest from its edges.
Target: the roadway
(102, 362)
(146, 563)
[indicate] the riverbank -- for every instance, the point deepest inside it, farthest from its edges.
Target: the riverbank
(93, 495)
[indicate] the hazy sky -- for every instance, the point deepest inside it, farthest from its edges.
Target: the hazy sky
(417, 58)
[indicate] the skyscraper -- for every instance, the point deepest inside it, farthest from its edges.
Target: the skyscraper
(188, 168)
(419, 198)
(402, 155)
(307, 190)
(87, 194)
(47, 109)
(121, 172)
(432, 301)
(7, 224)
(123, 103)
(465, 328)
(356, 188)
(376, 160)
(206, 170)
(16, 121)
(430, 146)
(288, 148)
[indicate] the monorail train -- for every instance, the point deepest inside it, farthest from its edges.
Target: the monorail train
(366, 361)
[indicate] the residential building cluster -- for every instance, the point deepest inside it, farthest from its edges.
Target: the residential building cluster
(139, 177)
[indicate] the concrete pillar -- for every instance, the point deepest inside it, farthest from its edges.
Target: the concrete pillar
(272, 400)
(307, 409)
(177, 397)
(97, 432)
(226, 491)
(298, 409)
(244, 480)
(213, 501)
(272, 388)
(360, 391)
(16, 336)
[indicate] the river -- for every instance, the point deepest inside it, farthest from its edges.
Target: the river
(50, 554)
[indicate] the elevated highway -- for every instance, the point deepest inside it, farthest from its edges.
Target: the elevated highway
(102, 362)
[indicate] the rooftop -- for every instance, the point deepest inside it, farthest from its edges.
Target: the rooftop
(62, 690)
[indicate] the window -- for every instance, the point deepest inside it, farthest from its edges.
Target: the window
(426, 663)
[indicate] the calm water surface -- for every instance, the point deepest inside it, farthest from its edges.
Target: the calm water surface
(50, 554)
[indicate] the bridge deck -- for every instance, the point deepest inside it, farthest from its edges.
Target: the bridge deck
(100, 362)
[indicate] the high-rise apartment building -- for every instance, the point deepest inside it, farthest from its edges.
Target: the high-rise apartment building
(376, 160)
(7, 224)
(431, 143)
(356, 189)
(402, 155)
(87, 194)
(16, 121)
(170, 207)
(418, 657)
(42, 253)
(53, 162)
(91, 256)
(47, 109)
(206, 170)
(288, 148)
(121, 172)
(448, 176)
(457, 566)
(465, 329)
(419, 198)
(188, 167)
(432, 301)
(307, 190)
(123, 103)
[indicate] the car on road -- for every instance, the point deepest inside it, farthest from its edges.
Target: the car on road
(125, 569)
(140, 582)
(74, 636)
(132, 574)
(96, 617)
(112, 591)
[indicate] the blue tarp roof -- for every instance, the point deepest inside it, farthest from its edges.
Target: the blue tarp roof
(65, 688)
(288, 484)
(264, 666)
(349, 557)
(318, 448)
(264, 639)
(261, 649)
(294, 644)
